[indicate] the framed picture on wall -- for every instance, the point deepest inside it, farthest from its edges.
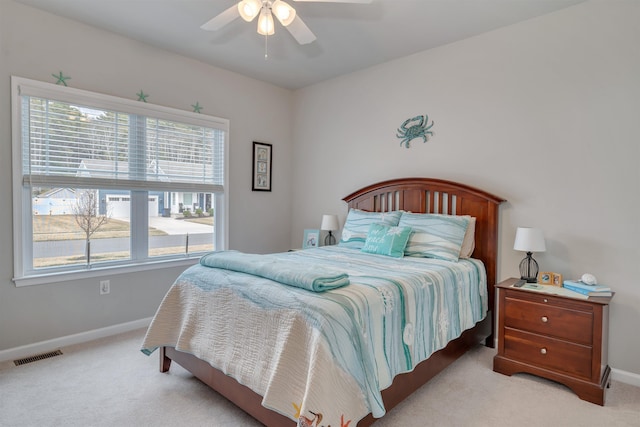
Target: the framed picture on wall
(262, 155)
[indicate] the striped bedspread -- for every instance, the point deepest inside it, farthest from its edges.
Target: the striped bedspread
(323, 354)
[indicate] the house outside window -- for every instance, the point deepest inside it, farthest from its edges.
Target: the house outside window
(103, 183)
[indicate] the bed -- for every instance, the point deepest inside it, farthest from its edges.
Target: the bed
(322, 367)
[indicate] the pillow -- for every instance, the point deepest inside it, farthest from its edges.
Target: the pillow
(386, 240)
(435, 235)
(356, 226)
(469, 241)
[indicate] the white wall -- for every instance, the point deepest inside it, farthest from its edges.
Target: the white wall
(35, 44)
(543, 113)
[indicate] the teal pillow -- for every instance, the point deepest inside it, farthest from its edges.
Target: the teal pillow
(356, 226)
(386, 240)
(435, 235)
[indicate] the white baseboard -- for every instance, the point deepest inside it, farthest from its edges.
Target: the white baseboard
(625, 377)
(56, 343)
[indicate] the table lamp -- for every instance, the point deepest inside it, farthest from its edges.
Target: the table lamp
(529, 240)
(330, 224)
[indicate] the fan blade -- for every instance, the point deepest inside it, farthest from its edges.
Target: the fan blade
(300, 31)
(223, 19)
(335, 1)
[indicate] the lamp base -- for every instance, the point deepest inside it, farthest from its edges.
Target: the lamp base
(529, 269)
(329, 239)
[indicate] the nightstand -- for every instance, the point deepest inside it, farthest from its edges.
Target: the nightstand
(559, 338)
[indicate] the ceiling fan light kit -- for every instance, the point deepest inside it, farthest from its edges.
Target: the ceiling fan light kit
(249, 9)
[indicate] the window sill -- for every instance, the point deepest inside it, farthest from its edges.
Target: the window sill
(102, 271)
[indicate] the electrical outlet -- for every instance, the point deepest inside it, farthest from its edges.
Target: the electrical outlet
(105, 287)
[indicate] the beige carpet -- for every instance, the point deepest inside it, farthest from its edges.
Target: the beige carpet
(109, 382)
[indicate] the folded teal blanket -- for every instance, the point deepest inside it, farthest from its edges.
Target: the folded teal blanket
(288, 272)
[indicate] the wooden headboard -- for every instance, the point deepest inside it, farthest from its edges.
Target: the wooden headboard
(428, 195)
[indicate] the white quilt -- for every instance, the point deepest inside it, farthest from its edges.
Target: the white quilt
(321, 355)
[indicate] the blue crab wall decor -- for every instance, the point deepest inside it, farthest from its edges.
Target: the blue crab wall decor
(415, 127)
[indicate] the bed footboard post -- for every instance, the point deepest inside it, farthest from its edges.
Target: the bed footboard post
(165, 362)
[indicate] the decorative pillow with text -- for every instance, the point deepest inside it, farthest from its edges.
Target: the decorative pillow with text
(387, 240)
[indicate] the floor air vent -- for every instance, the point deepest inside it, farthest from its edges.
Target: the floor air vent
(37, 357)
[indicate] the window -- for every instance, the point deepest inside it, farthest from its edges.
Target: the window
(102, 182)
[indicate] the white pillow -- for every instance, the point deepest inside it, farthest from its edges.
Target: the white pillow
(469, 241)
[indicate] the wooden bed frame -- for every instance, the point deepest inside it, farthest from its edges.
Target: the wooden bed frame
(419, 195)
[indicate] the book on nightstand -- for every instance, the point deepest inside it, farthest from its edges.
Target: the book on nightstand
(590, 290)
(554, 290)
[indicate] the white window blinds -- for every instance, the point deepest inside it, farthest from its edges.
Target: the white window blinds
(115, 143)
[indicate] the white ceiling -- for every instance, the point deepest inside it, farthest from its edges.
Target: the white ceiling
(350, 37)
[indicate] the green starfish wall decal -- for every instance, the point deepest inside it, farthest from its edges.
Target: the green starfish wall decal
(142, 96)
(196, 107)
(62, 79)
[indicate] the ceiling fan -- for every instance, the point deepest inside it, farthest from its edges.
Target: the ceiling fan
(266, 9)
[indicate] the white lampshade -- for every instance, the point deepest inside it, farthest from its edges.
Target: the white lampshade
(329, 223)
(285, 13)
(249, 9)
(529, 240)
(266, 26)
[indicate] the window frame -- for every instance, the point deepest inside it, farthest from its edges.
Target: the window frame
(22, 222)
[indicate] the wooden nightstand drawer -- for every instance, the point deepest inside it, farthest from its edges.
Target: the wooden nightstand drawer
(547, 319)
(549, 353)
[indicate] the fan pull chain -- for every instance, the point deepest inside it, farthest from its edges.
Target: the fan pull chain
(266, 55)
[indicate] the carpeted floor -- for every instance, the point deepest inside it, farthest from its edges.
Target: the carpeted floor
(109, 382)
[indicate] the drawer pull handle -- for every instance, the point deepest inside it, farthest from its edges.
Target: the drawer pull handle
(544, 319)
(543, 350)
(545, 300)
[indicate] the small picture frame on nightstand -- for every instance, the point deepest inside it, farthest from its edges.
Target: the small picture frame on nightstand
(550, 278)
(545, 278)
(311, 239)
